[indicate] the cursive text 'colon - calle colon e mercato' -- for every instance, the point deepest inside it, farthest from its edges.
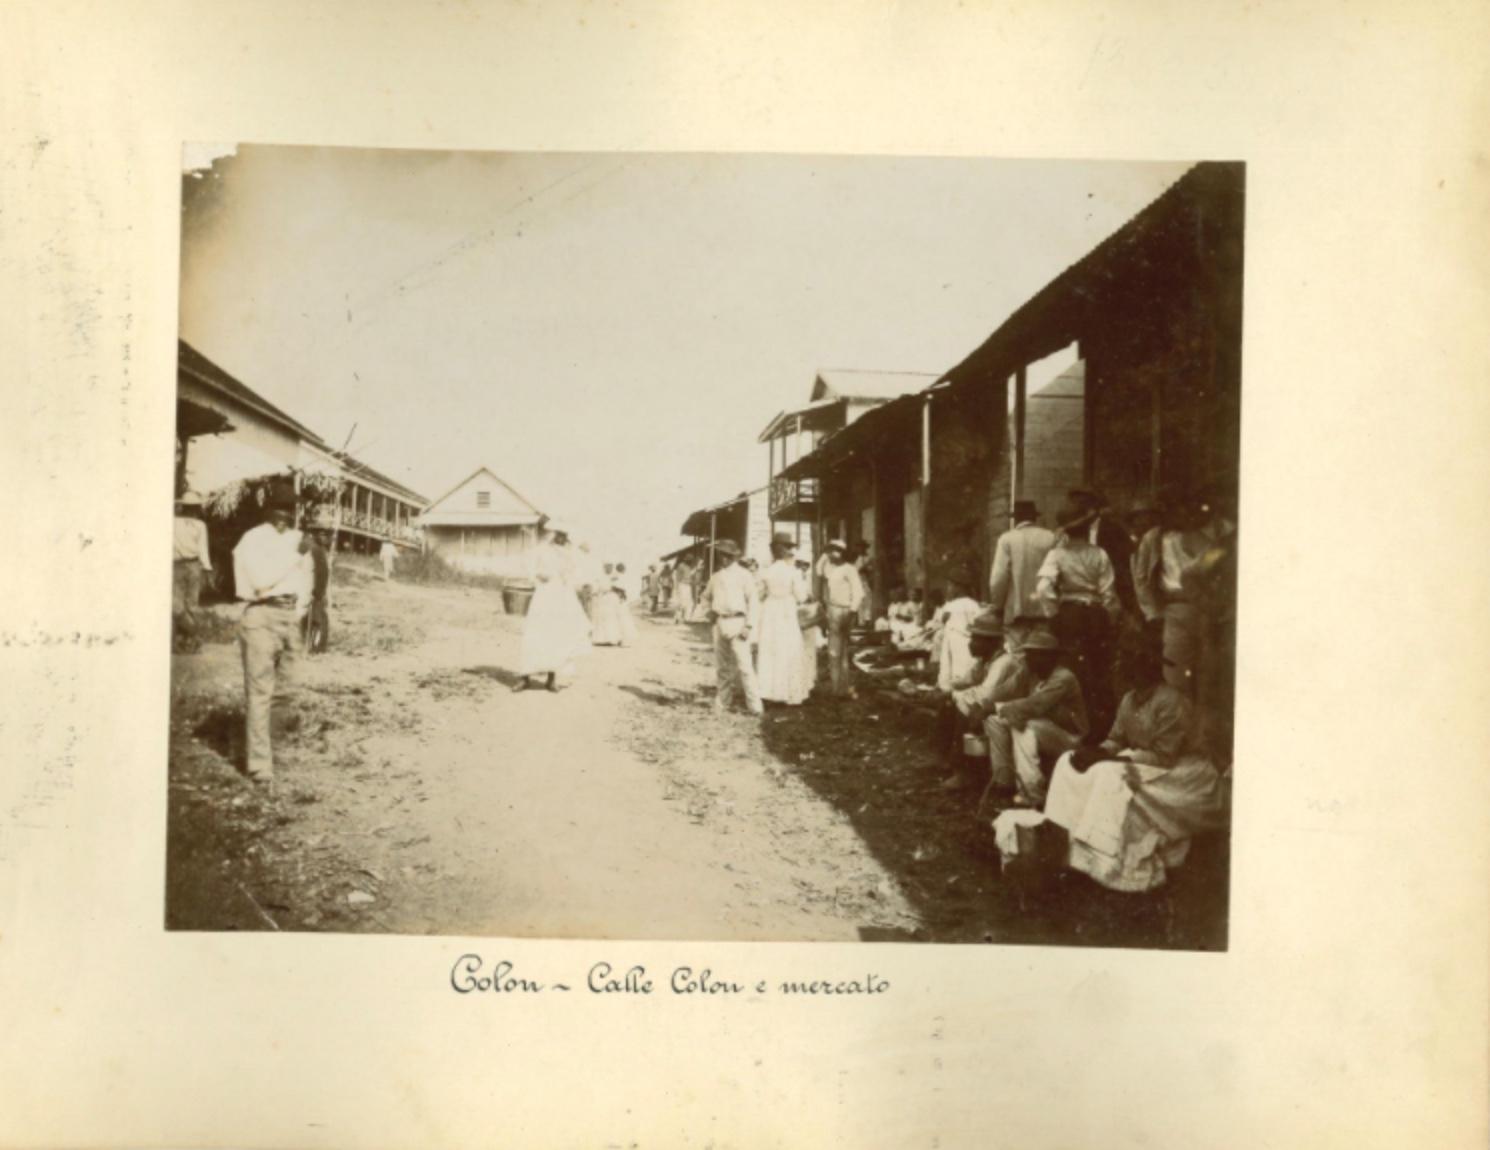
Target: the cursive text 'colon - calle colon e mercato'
(471, 974)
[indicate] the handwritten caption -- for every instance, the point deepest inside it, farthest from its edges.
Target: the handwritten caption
(472, 975)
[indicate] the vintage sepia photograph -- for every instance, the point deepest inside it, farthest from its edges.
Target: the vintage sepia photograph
(727, 547)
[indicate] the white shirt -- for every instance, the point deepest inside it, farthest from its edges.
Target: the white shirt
(844, 587)
(731, 592)
(268, 563)
(190, 541)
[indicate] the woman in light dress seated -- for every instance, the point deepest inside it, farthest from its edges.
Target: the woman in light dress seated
(1131, 805)
(781, 669)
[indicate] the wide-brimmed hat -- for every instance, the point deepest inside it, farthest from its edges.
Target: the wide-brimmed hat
(1025, 509)
(837, 545)
(989, 624)
(189, 499)
(1074, 518)
(782, 539)
(280, 501)
(1042, 641)
(728, 547)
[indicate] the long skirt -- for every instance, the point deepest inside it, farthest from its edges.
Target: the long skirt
(955, 660)
(1129, 839)
(780, 670)
(684, 603)
(607, 620)
(555, 631)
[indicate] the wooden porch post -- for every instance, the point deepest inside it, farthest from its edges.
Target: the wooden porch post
(713, 528)
(1020, 380)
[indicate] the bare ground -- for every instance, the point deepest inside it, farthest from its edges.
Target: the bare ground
(417, 794)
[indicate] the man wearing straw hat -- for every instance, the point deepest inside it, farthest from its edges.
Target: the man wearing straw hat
(999, 676)
(190, 562)
(731, 603)
(1026, 733)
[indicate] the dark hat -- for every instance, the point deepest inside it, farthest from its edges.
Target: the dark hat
(1025, 509)
(1042, 641)
(782, 539)
(728, 547)
(989, 625)
(279, 501)
(1074, 517)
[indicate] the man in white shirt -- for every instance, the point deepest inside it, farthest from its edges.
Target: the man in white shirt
(843, 595)
(731, 602)
(190, 562)
(273, 576)
(388, 553)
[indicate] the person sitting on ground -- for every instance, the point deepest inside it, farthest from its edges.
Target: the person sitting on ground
(997, 677)
(955, 660)
(1026, 733)
(1131, 805)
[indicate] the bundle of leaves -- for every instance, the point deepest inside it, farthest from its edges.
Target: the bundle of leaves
(238, 506)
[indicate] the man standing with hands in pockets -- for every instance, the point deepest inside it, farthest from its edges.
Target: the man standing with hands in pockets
(272, 575)
(730, 599)
(843, 594)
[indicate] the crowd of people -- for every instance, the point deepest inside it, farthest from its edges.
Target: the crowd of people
(1089, 693)
(1096, 684)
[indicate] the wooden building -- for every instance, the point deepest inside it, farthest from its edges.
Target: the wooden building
(226, 433)
(839, 397)
(1145, 336)
(483, 525)
(744, 519)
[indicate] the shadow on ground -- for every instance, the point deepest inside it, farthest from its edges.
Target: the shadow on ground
(872, 759)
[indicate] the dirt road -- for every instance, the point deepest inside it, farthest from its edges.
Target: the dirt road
(417, 793)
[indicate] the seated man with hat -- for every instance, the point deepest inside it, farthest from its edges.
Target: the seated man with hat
(1027, 734)
(998, 677)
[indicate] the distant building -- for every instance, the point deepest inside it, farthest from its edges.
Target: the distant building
(838, 398)
(743, 519)
(226, 433)
(482, 525)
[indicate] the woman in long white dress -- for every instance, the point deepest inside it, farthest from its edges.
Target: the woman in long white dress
(781, 671)
(556, 630)
(606, 625)
(1131, 805)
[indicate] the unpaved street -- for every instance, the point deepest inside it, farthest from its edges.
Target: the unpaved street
(417, 793)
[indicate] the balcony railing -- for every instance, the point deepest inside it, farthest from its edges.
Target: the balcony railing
(375, 525)
(792, 493)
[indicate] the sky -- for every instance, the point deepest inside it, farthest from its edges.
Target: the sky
(609, 333)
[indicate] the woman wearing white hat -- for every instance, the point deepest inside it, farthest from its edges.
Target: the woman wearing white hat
(556, 630)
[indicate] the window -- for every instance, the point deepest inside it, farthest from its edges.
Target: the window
(483, 500)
